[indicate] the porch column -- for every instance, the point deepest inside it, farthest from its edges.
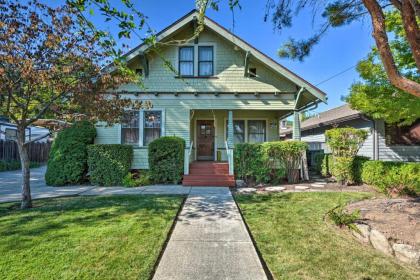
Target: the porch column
(296, 125)
(230, 130)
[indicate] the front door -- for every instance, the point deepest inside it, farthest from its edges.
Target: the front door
(205, 140)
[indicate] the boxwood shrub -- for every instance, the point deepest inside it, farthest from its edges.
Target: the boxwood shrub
(166, 159)
(251, 163)
(392, 177)
(8, 165)
(353, 169)
(67, 162)
(109, 164)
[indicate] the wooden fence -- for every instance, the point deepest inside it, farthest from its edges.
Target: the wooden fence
(38, 152)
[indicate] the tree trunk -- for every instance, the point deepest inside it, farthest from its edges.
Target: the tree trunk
(24, 161)
(381, 39)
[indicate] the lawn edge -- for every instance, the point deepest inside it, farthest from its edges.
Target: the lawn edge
(265, 267)
(168, 237)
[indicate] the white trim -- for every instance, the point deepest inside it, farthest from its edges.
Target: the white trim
(246, 126)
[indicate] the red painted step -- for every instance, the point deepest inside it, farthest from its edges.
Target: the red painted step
(209, 174)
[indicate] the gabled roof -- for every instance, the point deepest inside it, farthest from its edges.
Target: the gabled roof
(263, 58)
(334, 116)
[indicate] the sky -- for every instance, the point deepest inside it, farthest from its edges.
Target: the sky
(339, 49)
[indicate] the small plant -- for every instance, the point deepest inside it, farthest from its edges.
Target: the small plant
(130, 181)
(341, 218)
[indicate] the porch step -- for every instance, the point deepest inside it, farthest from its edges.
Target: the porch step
(209, 174)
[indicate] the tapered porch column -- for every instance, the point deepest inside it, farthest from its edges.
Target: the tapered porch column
(230, 130)
(296, 125)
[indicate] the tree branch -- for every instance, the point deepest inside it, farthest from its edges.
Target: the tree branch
(381, 39)
(411, 29)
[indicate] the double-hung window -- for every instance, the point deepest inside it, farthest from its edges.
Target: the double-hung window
(130, 128)
(152, 126)
(205, 61)
(256, 131)
(186, 61)
(238, 131)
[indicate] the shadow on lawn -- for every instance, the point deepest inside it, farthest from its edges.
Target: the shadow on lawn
(52, 215)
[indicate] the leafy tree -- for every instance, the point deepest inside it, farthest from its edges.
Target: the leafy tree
(337, 13)
(50, 66)
(375, 95)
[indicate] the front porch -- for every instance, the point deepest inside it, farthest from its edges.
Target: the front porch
(213, 134)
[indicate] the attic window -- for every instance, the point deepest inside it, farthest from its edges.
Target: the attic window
(139, 71)
(252, 72)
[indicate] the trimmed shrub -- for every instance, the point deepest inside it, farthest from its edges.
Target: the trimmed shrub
(392, 177)
(108, 164)
(344, 143)
(166, 159)
(67, 162)
(329, 168)
(326, 165)
(251, 163)
(289, 153)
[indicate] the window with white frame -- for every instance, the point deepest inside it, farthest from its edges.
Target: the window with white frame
(238, 131)
(186, 61)
(152, 126)
(256, 131)
(205, 61)
(130, 128)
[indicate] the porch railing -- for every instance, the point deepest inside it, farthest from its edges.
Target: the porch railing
(229, 153)
(187, 158)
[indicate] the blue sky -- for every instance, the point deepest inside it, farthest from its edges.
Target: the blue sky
(340, 49)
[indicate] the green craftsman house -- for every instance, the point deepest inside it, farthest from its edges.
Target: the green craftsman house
(225, 92)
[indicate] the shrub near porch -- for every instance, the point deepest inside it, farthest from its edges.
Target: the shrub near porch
(268, 162)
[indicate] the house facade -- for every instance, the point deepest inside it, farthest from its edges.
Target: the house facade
(384, 142)
(221, 91)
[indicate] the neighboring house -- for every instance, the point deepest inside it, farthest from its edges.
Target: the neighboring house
(385, 142)
(8, 131)
(225, 92)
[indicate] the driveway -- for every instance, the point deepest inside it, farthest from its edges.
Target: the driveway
(10, 187)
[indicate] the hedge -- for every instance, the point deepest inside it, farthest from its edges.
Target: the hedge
(8, 165)
(267, 162)
(166, 159)
(329, 167)
(109, 164)
(251, 163)
(387, 176)
(392, 177)
(67, 162)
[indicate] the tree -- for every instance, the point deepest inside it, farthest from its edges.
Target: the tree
(50, 66)
(375, 95)
(341, 12)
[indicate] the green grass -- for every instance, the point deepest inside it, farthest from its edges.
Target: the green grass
(297, 243)
(85, 237)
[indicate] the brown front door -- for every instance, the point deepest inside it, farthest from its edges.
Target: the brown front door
(205, 140)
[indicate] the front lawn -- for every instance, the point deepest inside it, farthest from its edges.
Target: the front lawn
(85, 237)
(297, 243)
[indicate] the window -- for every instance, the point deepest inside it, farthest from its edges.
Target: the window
(139, 71)
(186, 61)
(130, 128)
(10, 134)
(403, 135)
(152, 126)
(205, 61)
(283, 124)
(252, 72)
(238, 131)
(256, 131)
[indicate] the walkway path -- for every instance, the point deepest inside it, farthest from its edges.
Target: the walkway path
(210, 241)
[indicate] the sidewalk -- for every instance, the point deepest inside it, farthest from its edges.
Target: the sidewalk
(210, 241)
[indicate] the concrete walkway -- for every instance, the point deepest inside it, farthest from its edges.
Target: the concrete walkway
(210, 241)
